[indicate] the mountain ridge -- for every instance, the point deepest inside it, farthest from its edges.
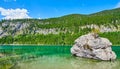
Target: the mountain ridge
(62, 27)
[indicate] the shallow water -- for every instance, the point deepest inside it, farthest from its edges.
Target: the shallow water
(65, 62)
(51, 58)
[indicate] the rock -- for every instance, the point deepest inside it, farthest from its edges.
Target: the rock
(1, 55)
(93, 46)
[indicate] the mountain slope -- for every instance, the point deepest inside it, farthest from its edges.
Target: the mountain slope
(58, 30)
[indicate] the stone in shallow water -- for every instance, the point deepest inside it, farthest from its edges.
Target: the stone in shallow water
(93, 46)
(1, 55)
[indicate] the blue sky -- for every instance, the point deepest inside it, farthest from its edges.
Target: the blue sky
(52, 8)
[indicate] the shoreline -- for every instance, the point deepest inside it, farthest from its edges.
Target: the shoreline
(33, 45)
(39, 45)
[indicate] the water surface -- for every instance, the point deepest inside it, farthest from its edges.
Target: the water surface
(50, 57)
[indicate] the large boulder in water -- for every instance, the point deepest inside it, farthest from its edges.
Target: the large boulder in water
(93, 46)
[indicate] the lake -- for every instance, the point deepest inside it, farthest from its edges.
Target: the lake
(50, 57)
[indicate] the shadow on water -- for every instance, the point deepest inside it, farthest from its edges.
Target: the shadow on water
(50, 57)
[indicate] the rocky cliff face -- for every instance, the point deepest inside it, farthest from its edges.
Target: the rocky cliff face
(28, 27)
(93, 46)
(20, 28)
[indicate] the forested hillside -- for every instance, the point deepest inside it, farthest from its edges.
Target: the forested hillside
(61, 30)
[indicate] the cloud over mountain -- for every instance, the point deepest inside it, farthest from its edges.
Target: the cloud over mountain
(14, 13)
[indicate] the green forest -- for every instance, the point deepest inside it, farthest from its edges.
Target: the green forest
(52, 39)
(68, 28)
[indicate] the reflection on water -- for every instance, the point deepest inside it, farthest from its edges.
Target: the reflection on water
(63, 62)
(81, 63)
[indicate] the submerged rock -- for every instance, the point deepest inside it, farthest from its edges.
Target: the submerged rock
(1, 55)
(93, 46)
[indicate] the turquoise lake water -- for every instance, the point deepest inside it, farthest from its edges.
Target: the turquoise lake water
(50, 57)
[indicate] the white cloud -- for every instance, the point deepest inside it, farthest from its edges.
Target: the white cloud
(118, 5)
(14, 13)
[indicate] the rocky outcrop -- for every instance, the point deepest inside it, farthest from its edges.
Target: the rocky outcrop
(102, 28)
(93, 46)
